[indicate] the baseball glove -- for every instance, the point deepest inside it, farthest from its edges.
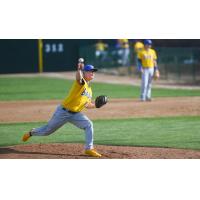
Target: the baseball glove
(100, 101)
(156, 75)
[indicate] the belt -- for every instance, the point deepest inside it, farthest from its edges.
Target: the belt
(71, 112)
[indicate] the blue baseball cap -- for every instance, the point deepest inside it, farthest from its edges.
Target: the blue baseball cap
(88, 68)
(147, 42)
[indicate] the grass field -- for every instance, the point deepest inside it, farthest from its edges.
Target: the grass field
(176, 132)
(51, 88)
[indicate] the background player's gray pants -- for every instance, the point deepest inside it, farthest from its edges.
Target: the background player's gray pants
(60, 117)
(147, 77)
(125, 57)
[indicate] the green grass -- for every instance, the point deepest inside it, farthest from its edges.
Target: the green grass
(41, 88)
(33, 88)
(176, 132)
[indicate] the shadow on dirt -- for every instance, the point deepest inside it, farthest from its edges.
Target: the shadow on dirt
(7, 150)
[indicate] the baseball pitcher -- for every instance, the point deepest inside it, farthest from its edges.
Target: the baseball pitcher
(147, 65)
(79, 97)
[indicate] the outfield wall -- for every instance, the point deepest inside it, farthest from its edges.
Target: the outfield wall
(18, 56)
(22, 55)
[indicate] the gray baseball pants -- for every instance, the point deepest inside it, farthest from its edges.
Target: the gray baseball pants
(61, 117)
(147, 77)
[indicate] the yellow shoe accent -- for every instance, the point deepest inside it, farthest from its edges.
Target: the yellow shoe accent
(93, 153)
(26, 136)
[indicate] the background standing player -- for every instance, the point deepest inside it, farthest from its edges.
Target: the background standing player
(138, 46)
(123, 52)
(80, 97)
(101, 50)
(147, 65)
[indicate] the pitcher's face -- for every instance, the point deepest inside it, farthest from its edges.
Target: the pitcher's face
(89, 75)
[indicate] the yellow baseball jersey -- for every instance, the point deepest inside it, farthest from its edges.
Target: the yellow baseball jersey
(78, 97)
(101, 46)
(138, 46)
(147, 57)
(124, 43)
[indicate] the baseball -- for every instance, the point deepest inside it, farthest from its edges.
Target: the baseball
(80, 60)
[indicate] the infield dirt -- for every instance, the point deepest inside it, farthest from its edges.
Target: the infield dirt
(34, 111)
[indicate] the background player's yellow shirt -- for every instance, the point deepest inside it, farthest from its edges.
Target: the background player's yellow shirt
(101, 46)
(124, 43)
(79, 95)
(139, 46)
(147, 57)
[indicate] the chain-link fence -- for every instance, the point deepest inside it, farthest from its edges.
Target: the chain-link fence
(182, 64)
(177, 64)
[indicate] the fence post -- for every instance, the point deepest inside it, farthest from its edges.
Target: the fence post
(40, 51)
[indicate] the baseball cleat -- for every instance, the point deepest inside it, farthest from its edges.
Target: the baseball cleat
(93, 153)
(26, 136)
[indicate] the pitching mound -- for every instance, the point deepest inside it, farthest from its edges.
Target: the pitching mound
(75, 151)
